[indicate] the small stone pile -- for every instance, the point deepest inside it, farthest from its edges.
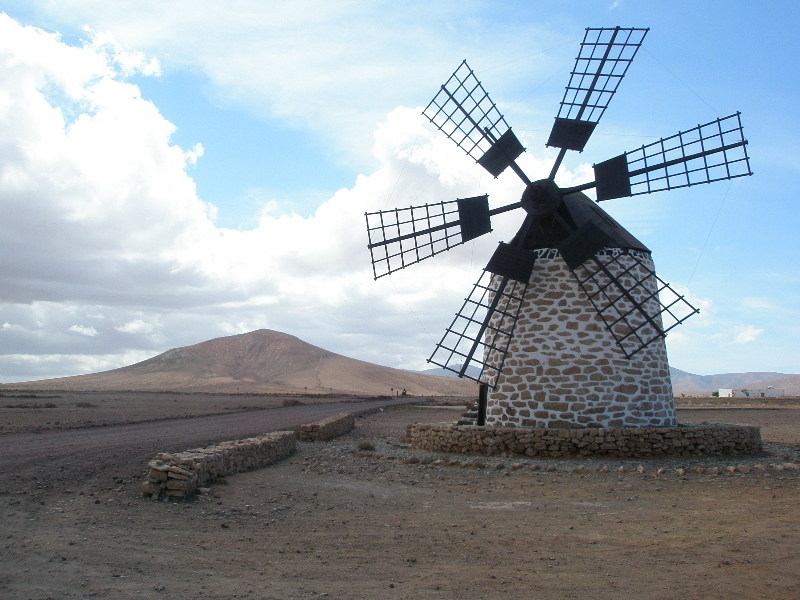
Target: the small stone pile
(693, 440)
(179, 475)
(328, 428)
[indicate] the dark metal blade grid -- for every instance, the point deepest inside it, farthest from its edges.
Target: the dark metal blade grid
(467, 346)
(603, 60)
(463, 111)
(711, 152)
(404, 236)
(635, 304)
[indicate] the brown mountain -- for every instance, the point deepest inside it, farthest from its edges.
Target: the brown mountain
(261, 361)
(704, 385)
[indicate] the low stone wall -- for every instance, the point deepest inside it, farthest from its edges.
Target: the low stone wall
(328, 428)
(693, 440)
(179, 475)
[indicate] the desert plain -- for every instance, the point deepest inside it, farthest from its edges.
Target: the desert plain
(364, 516)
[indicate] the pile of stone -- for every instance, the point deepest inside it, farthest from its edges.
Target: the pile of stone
(694, 440)
(328, 428)
(179, 475)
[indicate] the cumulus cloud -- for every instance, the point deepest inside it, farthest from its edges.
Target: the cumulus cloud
(28, 367)
(82, 330)
(106, 237)
(334, 69)
(135, 326)
(746, 334)
(126, 62)
(94, 195)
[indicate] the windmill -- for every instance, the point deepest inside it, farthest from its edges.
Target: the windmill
(566, 324)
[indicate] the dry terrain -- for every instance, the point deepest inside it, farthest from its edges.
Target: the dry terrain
(45, 411)
(365, 517)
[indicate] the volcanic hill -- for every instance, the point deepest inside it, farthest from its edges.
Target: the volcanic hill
(261, 361)
(703, 385)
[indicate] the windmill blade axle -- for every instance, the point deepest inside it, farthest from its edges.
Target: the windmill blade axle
(597, 70)
(684, 159)
(409, 236)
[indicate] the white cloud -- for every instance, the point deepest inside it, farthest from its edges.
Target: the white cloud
(126, 62)
(334, 68)
(27, 367)
(746, 334)
(135, 326)
(93, 201)
(82, 330)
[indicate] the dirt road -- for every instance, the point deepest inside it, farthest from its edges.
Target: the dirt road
(365, 517)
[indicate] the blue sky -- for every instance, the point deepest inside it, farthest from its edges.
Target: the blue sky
(239, 169)
(179, 171)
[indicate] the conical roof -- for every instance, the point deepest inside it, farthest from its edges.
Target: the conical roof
(578, 209)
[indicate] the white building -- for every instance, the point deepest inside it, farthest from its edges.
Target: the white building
(769, 392)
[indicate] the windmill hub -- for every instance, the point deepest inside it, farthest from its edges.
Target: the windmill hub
(541, 198)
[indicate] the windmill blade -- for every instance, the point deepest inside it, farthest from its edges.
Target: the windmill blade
(465, 113)
(402, 237)
(714, 151)
(635, 304)
(604, 57)
(476, 343)
(405, 236)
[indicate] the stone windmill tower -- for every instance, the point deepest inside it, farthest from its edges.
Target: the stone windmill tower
(566, 325)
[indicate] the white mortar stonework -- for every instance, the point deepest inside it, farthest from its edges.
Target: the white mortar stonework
(565, 369)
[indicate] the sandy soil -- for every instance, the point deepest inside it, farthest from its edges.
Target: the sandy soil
(364, 517)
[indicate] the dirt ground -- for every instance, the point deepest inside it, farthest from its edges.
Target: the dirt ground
(47, 411)
(365, 517)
